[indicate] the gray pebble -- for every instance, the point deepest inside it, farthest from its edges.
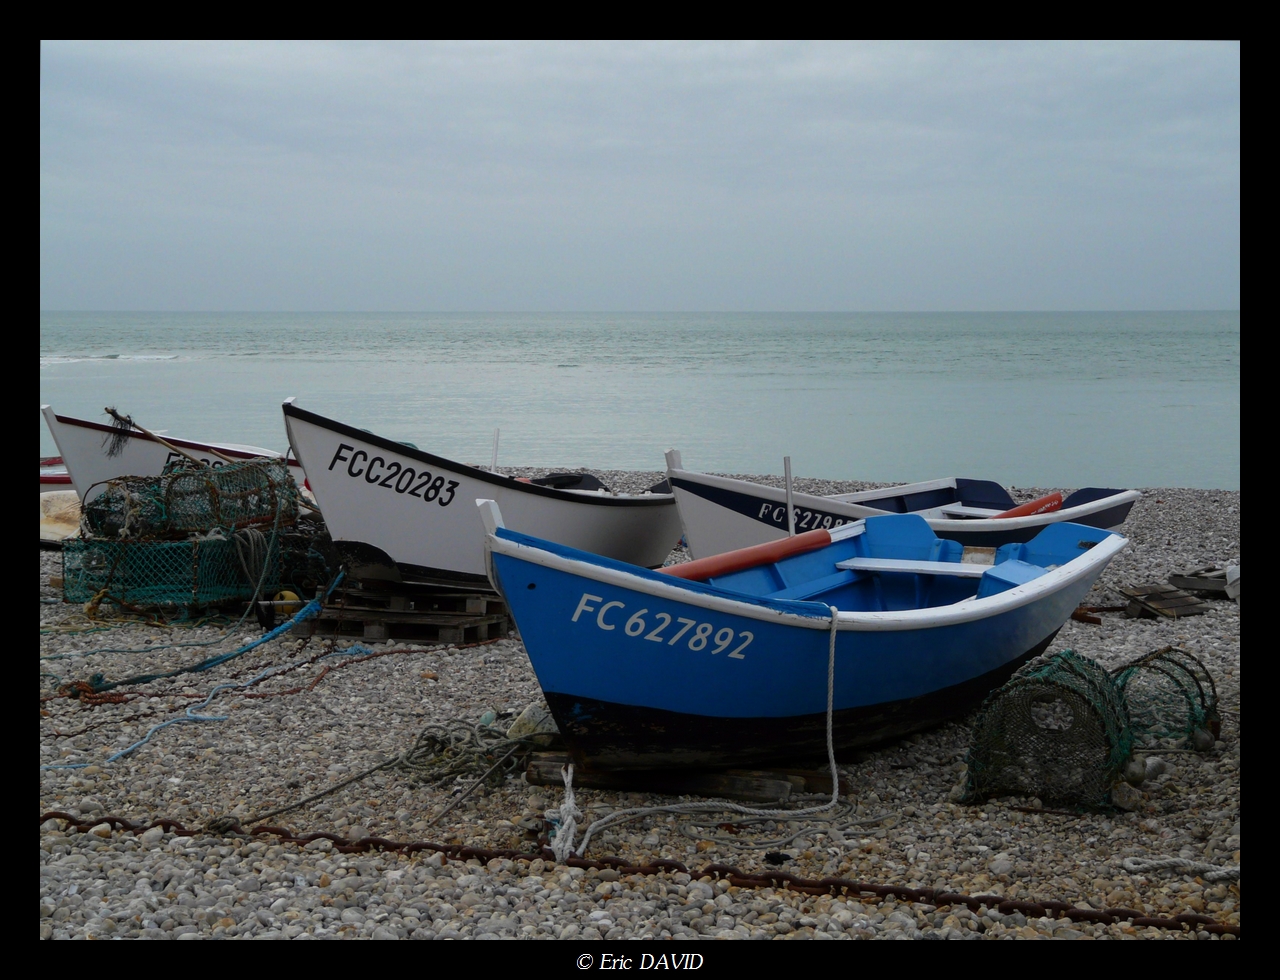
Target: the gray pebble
(275, 750)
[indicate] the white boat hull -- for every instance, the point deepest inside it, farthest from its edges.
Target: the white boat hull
(82, 446)
(418, 510)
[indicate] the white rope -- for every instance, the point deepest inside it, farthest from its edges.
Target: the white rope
(566, 817)
(1209, 872)
(562, 845)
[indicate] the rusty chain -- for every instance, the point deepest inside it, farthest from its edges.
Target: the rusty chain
(839, 887)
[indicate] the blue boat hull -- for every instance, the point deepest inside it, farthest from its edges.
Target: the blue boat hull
(610, 735)
(643, 670)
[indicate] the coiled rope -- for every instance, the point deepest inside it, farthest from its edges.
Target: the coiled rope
(566, 815)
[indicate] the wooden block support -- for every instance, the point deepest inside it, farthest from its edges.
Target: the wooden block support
(808, 780)
(761, 787)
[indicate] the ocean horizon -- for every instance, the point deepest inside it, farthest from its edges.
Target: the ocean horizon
(1036, 399)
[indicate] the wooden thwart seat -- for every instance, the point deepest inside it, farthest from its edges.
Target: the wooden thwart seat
(963, 569)
(961, 510)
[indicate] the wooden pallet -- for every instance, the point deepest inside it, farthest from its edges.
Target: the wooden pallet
(1161, 600)
(428, 612)
(381, 610)
(426, 627)
(362, 597)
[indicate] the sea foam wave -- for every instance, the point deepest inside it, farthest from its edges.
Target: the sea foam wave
(78, 358)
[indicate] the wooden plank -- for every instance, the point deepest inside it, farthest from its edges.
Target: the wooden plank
(357, 613)
(1161, 600)
(961, 510)
(1201, 582)
(978, 555)
(469, 603)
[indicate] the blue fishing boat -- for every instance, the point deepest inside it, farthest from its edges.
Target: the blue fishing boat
(872, 630)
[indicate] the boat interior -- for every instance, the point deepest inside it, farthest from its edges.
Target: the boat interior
(896, 563)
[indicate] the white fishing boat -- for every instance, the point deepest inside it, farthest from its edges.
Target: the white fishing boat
(87, 461)
(389, 504)
(722, 514)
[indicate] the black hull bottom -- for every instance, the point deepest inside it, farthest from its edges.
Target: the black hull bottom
(364, 561)
(602, 735)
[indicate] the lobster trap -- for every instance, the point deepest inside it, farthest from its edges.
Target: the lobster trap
(191, 537)
(1170, 694)
(202, 571)
(1058, 730)
(189, 499)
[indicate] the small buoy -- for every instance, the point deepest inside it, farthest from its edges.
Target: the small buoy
(293, 603)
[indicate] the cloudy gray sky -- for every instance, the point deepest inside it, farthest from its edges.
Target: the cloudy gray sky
(623, 176)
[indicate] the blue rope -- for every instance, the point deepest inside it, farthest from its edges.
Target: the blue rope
(308, 611)
(190, 716)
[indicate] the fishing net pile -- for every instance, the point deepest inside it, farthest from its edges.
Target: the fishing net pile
(1064, 729)
(194, 536)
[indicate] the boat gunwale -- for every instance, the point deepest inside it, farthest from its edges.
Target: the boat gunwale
(762, 608)
(440, 462)
(941, 525)
(231, 449)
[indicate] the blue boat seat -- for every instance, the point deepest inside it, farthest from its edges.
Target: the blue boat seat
(908, 535)
(1006, 575)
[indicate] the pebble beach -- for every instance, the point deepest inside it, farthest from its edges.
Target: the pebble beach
(159, 843)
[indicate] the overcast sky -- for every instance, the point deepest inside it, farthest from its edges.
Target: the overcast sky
(622, 176)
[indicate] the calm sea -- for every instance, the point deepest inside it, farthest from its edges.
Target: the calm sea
(1028, 399)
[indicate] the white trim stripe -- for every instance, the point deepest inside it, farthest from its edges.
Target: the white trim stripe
(1089, 565)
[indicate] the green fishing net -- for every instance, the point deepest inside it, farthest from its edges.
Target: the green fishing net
(201, 571)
